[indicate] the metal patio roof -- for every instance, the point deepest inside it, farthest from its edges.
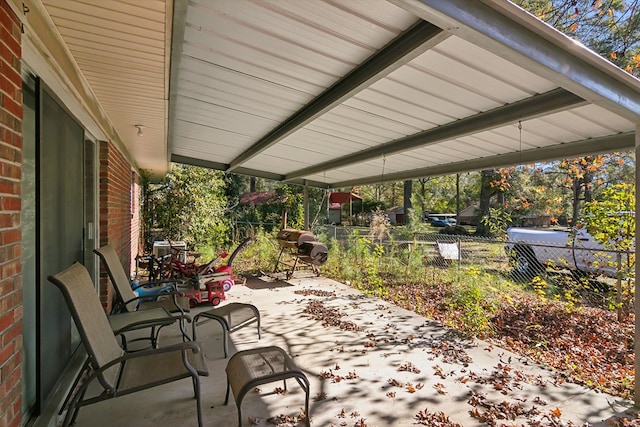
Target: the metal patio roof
(338, 93)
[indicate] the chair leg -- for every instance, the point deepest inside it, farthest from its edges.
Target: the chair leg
(226, 397)
(225, 339)
(185, 335)
(196, 387)
(85, 366)
(153, 337)
(259, 328)
(194, 323)
(72, 411)
(76, 410)
(306, 407)
(305, 385)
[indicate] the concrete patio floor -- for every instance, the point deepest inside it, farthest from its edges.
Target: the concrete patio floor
(393, 366)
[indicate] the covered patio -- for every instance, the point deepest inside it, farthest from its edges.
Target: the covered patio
(325, 93)
(369, 363)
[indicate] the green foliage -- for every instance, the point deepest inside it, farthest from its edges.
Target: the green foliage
(261, 255)
(436, 194)
(235, 185)
(189, 205)
(285, 199)
(372, 267)
(415, 225)
(358, 263)
(336, 266)
(610, 28)
(611, 220)
(473, 298)
(379, 227)
(497, 221)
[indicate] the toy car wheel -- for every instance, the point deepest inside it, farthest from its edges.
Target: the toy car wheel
(192, 303)
(227, 284)
(215, 301)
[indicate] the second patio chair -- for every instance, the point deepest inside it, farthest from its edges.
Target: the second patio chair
(173, 302)
(117, 372)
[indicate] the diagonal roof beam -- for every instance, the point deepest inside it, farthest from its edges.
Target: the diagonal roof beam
(554, 100)
(404, 48)
(606, 144)
(194, 161)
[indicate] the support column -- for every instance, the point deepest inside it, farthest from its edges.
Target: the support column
(636, 345)
(457, 199)
(306, 205)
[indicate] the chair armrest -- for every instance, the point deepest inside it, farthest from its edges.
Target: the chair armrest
(183, 346)
(170, 293)
(141, 319)
(156, 284)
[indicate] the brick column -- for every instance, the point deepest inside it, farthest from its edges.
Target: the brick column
(137, 245)
(10, 234)
(115, 211)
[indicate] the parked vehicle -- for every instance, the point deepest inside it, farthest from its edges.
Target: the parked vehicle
(442, 222)
(532, 250)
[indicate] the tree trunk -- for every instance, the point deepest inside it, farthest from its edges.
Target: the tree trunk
(588, 180)
(457, 198)
(486, 191)
(576, 201)
(408, 190)
(423, 193)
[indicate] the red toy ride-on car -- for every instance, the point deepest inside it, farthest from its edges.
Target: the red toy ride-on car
(211, 283)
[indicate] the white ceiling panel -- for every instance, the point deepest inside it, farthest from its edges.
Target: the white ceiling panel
(438, 109)
(120, 49)
(334, 92)
(466, 54)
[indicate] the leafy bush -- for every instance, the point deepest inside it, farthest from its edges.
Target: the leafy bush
(189, 205)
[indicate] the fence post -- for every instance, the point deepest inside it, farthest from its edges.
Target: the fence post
(459, 244)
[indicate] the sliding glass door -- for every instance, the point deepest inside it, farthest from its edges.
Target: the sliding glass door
(61, 218)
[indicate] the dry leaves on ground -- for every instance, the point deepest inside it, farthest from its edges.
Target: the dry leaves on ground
(587, 346)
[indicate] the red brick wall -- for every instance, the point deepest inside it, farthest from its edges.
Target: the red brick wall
(10, 234)
(115, 210)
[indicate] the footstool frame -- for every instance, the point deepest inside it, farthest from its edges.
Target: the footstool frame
(231, 317)
(248, 369)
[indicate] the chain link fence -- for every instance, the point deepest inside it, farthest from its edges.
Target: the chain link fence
(592, 276)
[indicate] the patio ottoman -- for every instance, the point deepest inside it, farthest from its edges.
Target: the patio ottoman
(231, 317)
(248, 369)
